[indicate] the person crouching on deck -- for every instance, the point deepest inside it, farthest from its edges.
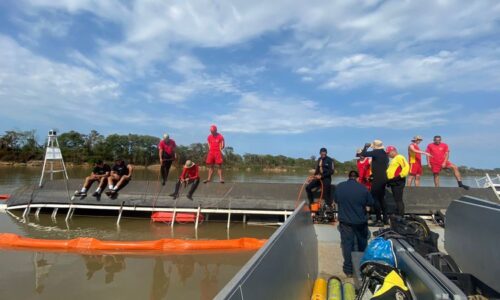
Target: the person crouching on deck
(396, 177)
(190, 174)
(121, 173)
(322, 177)
(100, 173)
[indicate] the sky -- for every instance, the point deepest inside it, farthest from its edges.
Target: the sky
(276, 77)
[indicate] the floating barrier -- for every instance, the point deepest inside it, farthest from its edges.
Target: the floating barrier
(14, 241)
(4, 196)
(167, 217)
(319, 290)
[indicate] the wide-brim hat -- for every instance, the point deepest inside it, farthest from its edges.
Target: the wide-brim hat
(417, 138)
(189, 164)
(378, 144)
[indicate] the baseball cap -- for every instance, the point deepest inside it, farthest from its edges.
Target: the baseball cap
(390, 149)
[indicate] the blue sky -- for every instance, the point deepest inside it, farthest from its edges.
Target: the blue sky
(278, 77)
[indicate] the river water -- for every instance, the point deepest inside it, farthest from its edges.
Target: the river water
(46, 275)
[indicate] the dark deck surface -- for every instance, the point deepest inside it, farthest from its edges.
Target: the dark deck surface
(249, 196)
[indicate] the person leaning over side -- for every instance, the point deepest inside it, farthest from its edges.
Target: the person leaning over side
(380, 161)
(396, 177)
(353, 200)
(190, 174)
(322, 177)
(100, 173)
(214, 157)
(166, 153)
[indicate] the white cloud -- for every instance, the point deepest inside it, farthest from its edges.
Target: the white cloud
(255, 114)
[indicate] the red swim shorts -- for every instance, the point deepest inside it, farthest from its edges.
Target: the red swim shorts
(416, 169)
(214, 158)
(436, 168)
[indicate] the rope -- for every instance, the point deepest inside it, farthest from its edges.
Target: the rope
(307, 181)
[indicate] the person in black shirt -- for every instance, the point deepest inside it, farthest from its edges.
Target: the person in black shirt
(121, 173)
(99, 173)
(380, 162)
(322, 177)
(353, 200)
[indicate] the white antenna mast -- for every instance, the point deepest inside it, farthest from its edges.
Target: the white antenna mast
(52, 155)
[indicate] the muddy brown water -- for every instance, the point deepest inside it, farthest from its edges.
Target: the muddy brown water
(48, 275)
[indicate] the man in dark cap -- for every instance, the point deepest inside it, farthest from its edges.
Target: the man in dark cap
(322, 177)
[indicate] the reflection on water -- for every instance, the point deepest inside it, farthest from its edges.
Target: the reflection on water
(190, 275)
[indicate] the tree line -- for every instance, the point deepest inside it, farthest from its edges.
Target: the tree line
(78, 148)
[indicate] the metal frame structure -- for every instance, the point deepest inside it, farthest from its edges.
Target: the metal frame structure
(489, 182)
(53, 154)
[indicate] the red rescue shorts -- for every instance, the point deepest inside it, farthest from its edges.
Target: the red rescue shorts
(436, 168)
(416, 169)
(214, 158)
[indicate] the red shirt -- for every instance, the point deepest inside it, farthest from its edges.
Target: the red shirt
(190, 173)
(364, 168)
(438, 153)
(168, 147)
(215, 142)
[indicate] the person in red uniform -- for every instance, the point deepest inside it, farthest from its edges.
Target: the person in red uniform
(415, 160)
(214, 157)
(166, 153)
(439, 155)
(364, 169)
(190, 175)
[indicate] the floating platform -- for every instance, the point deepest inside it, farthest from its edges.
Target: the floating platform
(279, 199)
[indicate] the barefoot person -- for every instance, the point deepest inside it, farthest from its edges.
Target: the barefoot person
(100, 173)
(214, 157)
(415, 159)
(121, 173)
(166, 153)
(396, 177)
(439, 160)
(190, 175)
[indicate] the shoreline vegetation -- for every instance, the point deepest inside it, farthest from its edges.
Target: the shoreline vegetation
(22, 149)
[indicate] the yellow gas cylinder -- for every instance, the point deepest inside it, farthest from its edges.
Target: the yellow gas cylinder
(349, 291)
(334, 289)
(319, 290)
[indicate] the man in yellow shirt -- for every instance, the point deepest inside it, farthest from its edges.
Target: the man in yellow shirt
(396, 177)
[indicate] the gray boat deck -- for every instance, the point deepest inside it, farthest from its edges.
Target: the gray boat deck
(234, 196)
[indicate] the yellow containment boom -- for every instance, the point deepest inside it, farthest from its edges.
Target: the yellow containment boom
(89, 245)
(319, 290)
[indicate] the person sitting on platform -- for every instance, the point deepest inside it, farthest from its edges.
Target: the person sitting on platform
(322, 178)
(190, 174)
(353, 200)
(121, 174)
(100, 173)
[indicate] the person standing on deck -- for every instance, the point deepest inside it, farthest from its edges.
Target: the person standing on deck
(190, 174)
(380, 162)
(214, 156)
(322, 178)
(353, 200)
(439, 159)
(415, 159)
(396, 177)
(364, 169)
(166, 153)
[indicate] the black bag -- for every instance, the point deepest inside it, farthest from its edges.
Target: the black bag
(416, 233)
(443, 262)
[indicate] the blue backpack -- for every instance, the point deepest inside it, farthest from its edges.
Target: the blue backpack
(380, 251)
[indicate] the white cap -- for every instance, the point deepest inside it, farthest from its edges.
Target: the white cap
(165, 136)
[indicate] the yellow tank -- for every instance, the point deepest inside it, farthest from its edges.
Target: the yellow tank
(334, 289)
(319, 290)
(349, 291)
